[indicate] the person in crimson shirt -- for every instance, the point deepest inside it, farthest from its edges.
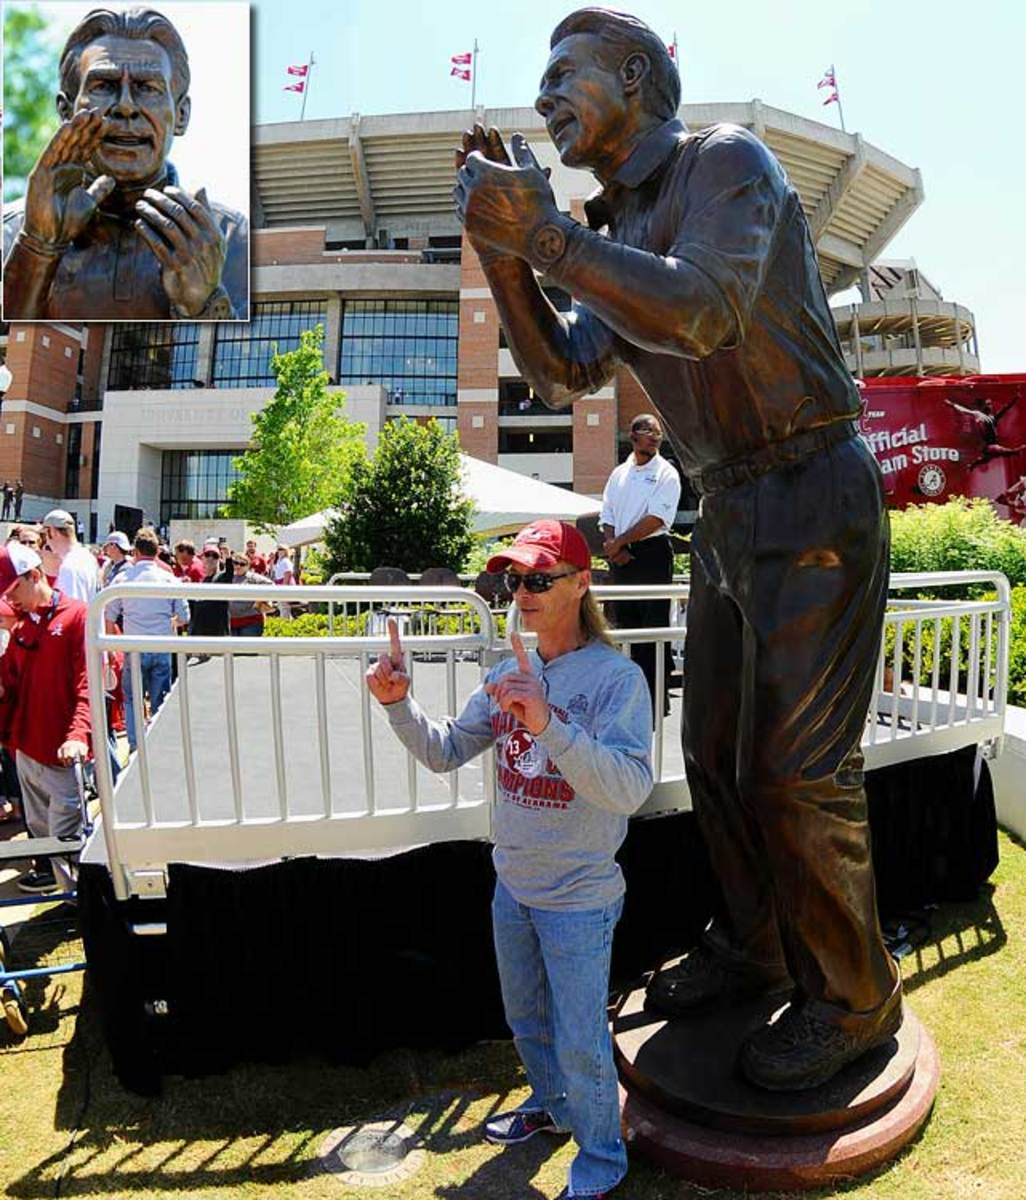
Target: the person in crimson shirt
(187, 565)
(44, 712)
(257, 561)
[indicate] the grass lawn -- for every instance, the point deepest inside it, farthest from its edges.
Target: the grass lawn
(68, 1129)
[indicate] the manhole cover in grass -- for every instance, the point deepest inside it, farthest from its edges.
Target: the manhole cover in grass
(376, 1154)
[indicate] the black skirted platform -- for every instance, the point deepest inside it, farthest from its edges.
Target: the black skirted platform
(348, 957)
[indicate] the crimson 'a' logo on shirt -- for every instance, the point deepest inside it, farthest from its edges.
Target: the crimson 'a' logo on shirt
(56, 629)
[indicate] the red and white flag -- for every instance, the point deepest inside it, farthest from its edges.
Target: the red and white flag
(828, 80)
(462, 59)
(461, 73)
(298, 70)
(295, 87)
(833, 98)
(672, 49)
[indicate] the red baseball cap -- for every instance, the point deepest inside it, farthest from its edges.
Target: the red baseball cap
(543, 544)
(15, 560)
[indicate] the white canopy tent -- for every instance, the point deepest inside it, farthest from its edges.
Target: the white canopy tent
(504, 501)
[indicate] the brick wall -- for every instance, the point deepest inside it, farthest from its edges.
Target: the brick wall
(292, 246)
(92, 364)
(89, 468)
(39, 458)
(631, 399)
(477, 364)
(594, 444)
(44, 363)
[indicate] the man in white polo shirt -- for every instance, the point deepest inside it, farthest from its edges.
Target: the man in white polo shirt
(79, 574)
(639, 505)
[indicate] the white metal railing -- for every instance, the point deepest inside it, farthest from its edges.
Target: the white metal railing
(941, 684)
(140, 844)
(923, 687)
(357, 601)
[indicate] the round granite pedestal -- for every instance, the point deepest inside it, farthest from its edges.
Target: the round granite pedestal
(687, 1108)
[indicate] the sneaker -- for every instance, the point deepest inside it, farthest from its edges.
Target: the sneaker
(567, 1194)
(509, 1129)
(802, 1050)
(38, 881)
(702, 980)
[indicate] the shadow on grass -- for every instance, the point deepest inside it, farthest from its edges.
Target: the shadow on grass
(958, 934)
(261, 1126)
(48, 937)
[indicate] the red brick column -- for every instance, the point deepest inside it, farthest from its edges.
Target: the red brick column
(44, 362)
(477, 384)
(594, 444)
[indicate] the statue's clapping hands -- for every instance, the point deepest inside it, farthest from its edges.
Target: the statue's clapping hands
(502, 197)
(59, 201)
(181, 231)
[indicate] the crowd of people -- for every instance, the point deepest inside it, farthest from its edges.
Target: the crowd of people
(47, 578)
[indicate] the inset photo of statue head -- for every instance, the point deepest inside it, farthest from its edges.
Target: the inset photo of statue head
(126, 162)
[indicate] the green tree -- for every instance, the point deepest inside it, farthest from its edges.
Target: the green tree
(30, 88)
(303, 451)
(405, 507)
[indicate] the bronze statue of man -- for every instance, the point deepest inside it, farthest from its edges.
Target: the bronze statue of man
(705, 284)
(105, 232)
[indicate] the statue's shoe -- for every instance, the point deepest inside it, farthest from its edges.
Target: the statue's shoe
(807, 1044)
(703, 980)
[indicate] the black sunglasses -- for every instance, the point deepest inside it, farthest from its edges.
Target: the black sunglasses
(535, 583)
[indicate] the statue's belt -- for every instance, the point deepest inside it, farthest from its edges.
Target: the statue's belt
(778, 454)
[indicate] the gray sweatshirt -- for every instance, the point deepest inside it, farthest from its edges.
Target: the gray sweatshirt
(563, 797)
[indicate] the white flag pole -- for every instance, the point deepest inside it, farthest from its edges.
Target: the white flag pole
(306, 89)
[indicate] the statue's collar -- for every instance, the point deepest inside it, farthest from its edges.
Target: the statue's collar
(642, 163)
(121, 201)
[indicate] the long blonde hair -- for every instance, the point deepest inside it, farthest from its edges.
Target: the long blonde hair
(594, 625)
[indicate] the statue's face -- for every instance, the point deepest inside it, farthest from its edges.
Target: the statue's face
(583, 103)
(129, 81)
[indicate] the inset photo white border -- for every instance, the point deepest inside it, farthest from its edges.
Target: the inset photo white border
(214, 152)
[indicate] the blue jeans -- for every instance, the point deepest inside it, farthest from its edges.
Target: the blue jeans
(554, 972)
(156, 681)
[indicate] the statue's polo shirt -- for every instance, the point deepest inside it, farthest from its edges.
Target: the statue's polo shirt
(110, 274)
(736, 345)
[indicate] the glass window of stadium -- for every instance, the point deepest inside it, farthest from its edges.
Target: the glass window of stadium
(194, 483)
(242, 352)
(152, 356)
(407, 346)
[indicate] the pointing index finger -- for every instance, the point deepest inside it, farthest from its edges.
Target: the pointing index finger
(396, 649)
(523, 662)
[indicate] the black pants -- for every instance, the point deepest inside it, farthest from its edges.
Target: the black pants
(651, 562)
(788, 587)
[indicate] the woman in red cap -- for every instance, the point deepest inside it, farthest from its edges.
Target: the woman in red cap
(571, 724)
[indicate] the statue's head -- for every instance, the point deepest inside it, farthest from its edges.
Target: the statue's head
(133, 69)
(608, 75)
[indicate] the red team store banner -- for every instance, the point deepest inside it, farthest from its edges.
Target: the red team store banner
(937, 438)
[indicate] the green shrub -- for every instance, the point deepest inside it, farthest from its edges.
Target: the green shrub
(1017, 649)
(961, 535)
(308, 625)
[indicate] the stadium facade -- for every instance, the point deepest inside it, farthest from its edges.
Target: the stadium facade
(354, 229)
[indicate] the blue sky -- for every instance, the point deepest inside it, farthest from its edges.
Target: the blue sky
(938, 85)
